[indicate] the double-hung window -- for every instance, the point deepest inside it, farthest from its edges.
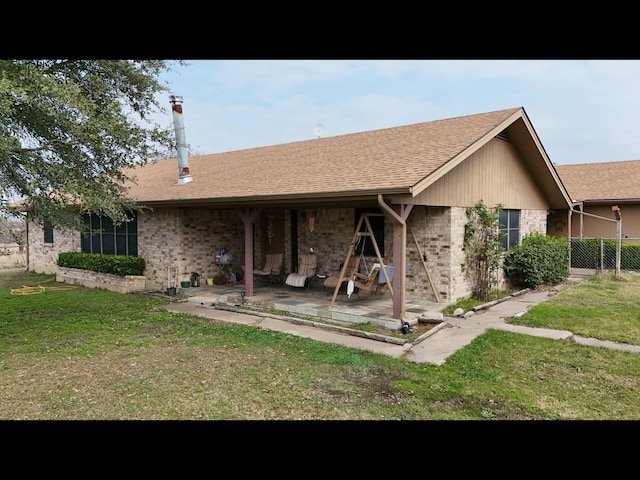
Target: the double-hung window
(48, 232)
(510, 227)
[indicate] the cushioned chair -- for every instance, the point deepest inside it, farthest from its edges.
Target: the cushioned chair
(353, 264)
(307, 265)
(271, 269)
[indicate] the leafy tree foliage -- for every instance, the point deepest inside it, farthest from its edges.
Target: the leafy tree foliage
(68, 128)
(483, 247)
(12, 229)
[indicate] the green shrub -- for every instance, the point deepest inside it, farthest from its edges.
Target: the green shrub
(538, 260)
(585, 253)
(629, 255)
(120, 265)
(598, 253)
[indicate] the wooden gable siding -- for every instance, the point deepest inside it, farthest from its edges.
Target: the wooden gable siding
(494, 174)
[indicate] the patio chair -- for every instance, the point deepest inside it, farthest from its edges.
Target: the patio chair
(353, 265)
(307, 266)
(271, 269)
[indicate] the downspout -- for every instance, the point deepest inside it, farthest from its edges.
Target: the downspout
(399, 261)
(569, 230)
(581, 207)
(181, 144)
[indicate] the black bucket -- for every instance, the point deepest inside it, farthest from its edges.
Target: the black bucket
(171, 291)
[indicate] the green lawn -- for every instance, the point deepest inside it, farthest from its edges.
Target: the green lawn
(73, 353)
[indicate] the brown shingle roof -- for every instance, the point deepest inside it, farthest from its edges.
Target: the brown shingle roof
(391, 160)
(602, 181)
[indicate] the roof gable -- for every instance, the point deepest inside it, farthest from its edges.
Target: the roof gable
(602, 181)
(399, 160)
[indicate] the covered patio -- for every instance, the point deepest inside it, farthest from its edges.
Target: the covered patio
(314, 302)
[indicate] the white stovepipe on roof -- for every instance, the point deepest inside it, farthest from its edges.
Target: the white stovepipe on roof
(181, 144)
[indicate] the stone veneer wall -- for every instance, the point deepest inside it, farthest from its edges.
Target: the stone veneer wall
(90, 279)
(43, 257)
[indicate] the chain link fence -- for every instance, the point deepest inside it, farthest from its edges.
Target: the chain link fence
(597, 255)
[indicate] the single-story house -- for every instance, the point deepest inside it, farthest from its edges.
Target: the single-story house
(309, 195)
(595, 189)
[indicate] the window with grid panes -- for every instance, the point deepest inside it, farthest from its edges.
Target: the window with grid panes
(104, 237)
(510, 226)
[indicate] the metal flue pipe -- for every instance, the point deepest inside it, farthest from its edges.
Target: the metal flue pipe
(181, 144)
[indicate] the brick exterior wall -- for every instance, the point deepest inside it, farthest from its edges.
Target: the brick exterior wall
(532, 221)
(89, 279)
(43, 257)
(333, 231)
(187, 239)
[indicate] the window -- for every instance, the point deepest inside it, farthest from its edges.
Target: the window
(102, 236)
(48, 232)
(377, 225)
(510, 227)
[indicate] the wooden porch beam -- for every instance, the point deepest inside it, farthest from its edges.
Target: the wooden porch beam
(249, 217)
(398, 219)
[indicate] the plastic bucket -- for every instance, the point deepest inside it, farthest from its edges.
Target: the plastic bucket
(185, 284)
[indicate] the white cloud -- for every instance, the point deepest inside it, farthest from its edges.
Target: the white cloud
(583, 110)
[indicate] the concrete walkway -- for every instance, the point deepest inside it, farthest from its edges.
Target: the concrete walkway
(433, 348)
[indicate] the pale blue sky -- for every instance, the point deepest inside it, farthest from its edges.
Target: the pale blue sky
(582, 110)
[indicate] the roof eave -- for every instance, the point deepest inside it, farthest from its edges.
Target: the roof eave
(283, 200)
(608, 200)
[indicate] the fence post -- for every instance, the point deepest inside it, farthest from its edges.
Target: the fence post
(618, 247)
(618, 214)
